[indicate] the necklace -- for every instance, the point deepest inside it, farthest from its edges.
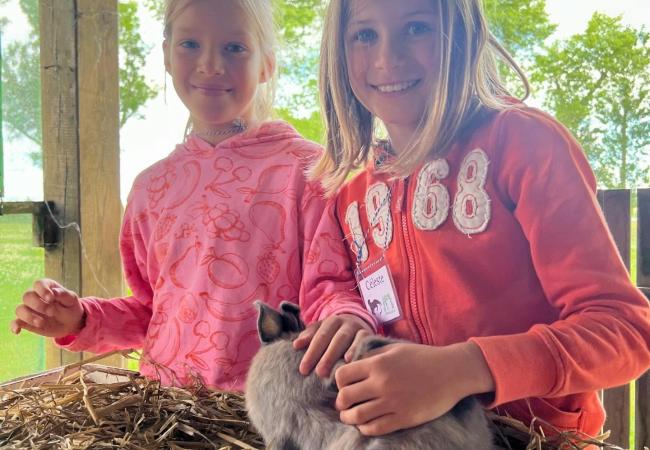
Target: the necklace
(385, 151)
(237, 126)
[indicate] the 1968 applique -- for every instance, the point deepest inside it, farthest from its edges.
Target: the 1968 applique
(431, 205)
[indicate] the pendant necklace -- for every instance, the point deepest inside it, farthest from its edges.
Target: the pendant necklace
(237, 126)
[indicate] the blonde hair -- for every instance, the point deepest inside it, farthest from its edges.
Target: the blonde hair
(467, 84)
(260, 13)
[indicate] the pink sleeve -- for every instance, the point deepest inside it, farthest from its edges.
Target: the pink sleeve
(328, 286)
(122, 322)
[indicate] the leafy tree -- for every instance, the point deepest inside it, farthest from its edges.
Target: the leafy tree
(521, 26)
(21, 75)
(21, 84)
(300, 23)
(134, 89)
(597, 83)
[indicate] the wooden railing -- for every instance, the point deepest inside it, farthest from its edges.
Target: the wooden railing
(623, 408)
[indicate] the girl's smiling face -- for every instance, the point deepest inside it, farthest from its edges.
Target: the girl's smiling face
(393, 60)
(216, 64)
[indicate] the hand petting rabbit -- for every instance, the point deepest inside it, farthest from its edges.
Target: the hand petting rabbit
(296, 412)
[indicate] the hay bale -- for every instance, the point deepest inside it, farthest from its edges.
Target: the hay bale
(133, 412)
(103, 407)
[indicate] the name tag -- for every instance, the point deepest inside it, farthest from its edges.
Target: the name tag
(379, 295)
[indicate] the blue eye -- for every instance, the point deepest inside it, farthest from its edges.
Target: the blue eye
(189, 44)
(417, 28)
(235, 48)
(366, 35)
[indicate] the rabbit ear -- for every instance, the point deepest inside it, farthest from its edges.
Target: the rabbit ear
(269, 323)
(291, 317)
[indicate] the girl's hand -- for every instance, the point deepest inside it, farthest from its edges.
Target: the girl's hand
(404, 385)
(50, 310)
(328, 341)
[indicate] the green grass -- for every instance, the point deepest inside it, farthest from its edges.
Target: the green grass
(20, 265)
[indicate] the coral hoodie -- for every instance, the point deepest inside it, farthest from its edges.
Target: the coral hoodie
(207, 231)
(503, 243)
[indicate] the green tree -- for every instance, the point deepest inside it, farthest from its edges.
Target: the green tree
(521, 26)
(597, 83)
(21, 75)
(300, 23)
(21, 84)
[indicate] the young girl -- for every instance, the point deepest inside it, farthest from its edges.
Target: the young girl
(227, 218)
(474, 226)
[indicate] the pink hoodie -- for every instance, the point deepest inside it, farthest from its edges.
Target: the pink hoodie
(207, 231)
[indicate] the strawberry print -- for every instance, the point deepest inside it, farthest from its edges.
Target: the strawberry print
(268, 267)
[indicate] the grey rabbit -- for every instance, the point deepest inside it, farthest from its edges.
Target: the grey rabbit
(296, 412)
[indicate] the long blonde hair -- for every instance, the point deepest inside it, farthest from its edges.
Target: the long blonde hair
(467, 84)
(260, 13)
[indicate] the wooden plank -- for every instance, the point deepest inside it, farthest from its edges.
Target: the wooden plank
(21, 207)
(60, 146)
(643, 238)
(617, 407)
(80, 142)
(97, 49)
(615, 204)
(642, 400)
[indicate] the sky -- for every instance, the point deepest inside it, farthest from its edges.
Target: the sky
(144, 141)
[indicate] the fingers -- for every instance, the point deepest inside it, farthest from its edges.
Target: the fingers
(65, 297)
(337, 347)
(43, 289)
(351, 373)
(363, 413)
(43, 306)
(305, 337)
(361, 406)
(318, 345)
(18, 325)
(29, 319)
(49, 291)
(36, 303)
(357, 341)
(381, 425)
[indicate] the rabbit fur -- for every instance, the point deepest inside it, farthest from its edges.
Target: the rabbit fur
(296, 412)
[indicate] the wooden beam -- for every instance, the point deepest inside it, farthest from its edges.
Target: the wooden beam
(80, 104)
(615, 204)
(642, 398)
(642, 401)
(643, 238)
(21, 207)
(99, 162)
(59, 102)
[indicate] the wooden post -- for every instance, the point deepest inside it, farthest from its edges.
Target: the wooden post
(80, 102)
(643, 238)
(642, 398)
(615, 205)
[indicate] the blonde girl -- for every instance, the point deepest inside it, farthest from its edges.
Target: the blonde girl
(227, 218)
(474, 222)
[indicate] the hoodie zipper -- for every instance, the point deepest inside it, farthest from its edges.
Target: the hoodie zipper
(421, 330)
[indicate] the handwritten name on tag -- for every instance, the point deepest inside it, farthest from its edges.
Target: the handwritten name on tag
(379, 295)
